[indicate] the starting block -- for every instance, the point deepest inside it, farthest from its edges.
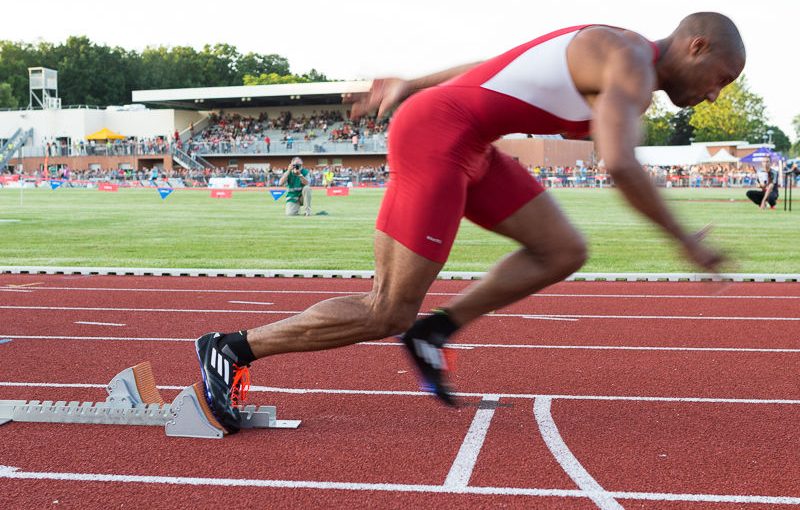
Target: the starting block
(134, 399)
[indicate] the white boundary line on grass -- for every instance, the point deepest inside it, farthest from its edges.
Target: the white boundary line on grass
(444, 275)
(347, 293)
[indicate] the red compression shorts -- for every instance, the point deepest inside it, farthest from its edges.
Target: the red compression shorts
(441, 171)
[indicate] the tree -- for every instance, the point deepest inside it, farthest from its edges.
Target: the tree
(657, 123)
(682, 130)
(7, 99)
(89, 73)
(15, 59)
(779, 139)
(95, 74)
(795, 150)
(315, 76)
(737, 114)
(273, 79)
(256, 65)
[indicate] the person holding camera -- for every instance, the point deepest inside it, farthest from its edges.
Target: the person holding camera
(768, 194)
(298, 188)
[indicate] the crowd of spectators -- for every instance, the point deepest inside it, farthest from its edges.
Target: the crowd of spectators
(329, 175)
(123, 147)
(249, 177)
(704, 176)
(236, 133)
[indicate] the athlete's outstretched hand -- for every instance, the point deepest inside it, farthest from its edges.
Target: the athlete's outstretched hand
(383, 95)
(702, 255)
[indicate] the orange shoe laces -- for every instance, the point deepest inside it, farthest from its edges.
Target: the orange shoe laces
(241, 384)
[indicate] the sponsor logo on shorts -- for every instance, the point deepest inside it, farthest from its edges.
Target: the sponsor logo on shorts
(437, 241)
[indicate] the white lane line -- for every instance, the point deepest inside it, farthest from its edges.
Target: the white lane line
(99, 323)
(250, 303)
(648, 317)
(452, 346)
(10, 472)
(101, 338)
(567, 460)
(402, 393)
(467, 457)
(312, 292)
(600, 347)
(211, 291)
(15, 290)
(147, 310)
(520, 315)
(550, 318)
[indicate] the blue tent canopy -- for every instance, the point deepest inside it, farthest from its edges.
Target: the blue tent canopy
(763, 155)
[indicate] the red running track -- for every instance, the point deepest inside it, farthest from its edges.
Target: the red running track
(640, 395)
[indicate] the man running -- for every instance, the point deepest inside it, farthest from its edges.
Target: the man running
(577, 81)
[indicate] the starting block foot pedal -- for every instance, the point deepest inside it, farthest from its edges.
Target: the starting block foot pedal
(133, 386)
(192, 416)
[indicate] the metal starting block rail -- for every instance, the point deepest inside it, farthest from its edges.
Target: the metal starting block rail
(134, 399)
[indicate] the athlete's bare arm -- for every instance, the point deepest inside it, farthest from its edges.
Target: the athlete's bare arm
(385, 93)
(627, 81)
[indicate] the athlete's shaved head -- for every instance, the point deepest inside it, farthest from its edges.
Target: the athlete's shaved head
(719, 29)
(702, 56)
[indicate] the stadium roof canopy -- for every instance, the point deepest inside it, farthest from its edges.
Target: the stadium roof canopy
(250, 96)
(672, 155)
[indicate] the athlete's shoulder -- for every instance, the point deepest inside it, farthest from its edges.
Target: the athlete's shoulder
(600, 41)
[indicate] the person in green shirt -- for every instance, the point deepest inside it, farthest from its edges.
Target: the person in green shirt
(298, 188)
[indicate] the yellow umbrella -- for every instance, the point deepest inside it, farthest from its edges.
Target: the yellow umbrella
(105, 134)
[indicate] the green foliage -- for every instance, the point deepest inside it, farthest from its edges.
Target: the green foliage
(254, 64)
(273, 79)
(779, 139)
(7, 99)
(94, 74)
(15, 59)
(315, 76)
(737, 114)
(682, 130)
(657, 123)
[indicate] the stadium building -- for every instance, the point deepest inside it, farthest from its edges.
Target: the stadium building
(222, 128)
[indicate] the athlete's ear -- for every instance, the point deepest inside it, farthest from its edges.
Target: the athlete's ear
(698, 45)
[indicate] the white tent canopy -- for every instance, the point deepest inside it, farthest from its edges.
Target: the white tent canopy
(722, 156)
(673, 155)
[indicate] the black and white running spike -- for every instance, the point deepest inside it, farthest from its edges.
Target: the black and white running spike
(218, 370)
(425, 343)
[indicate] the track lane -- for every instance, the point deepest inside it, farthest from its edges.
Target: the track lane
(488, 371)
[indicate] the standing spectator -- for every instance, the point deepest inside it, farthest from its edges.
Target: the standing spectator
(268, 142)
(355, 141)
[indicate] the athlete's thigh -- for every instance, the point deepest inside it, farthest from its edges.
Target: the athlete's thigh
(509, 201)
(423, 211)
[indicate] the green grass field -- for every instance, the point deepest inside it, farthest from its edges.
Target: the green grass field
(135, 228)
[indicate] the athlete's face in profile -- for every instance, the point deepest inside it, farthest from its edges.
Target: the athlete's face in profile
(702, 75)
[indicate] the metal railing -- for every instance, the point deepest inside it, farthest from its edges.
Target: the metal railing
(13, 146)
(185, 160)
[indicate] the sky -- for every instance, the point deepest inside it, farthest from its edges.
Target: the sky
(364, 39)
